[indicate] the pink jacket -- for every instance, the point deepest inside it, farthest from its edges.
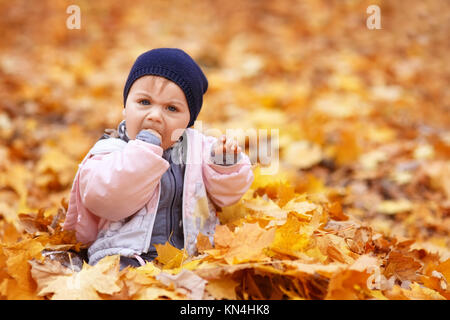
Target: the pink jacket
(117, 180)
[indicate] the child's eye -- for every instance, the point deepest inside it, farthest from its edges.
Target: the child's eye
(174, 109)
(147, 102)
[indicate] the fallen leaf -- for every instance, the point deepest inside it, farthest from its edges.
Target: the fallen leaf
(92, 282)
(169, 256)
(248, 244)
(222, 288)
(186, 279)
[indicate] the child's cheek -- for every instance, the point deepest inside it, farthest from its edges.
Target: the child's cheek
(133, 129)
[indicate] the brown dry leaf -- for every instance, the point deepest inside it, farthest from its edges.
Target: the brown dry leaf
(35, 222)
(402, 266)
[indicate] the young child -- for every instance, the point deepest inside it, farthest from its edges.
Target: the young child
(156, 179)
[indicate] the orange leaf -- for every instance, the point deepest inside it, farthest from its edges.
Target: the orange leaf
(248, 243)
(170, 256)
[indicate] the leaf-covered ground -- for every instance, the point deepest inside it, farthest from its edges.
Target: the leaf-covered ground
(360, 206)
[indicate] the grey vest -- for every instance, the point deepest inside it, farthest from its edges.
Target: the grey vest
(168, 224)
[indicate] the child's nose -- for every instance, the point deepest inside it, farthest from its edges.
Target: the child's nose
(154, 114)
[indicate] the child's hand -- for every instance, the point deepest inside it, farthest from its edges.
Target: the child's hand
(155, 133)
(226, 146)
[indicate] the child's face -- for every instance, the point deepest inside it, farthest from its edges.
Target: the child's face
(156, 103)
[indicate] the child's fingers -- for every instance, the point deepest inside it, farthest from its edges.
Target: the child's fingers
(222, 140)
(221, 143)
(233, 147)
(219, 147)
(226, 145)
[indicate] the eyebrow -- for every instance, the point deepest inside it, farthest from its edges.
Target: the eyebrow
(170, 101)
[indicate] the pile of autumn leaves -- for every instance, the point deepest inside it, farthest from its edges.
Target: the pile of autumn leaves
(273, 244)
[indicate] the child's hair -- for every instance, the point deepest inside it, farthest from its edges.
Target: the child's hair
(176, 65)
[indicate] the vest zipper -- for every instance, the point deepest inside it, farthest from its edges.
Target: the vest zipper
(170, 235)
(183, 152)
(149, 234)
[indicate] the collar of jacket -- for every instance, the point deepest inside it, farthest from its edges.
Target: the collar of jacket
(121, 133)
(176, 151)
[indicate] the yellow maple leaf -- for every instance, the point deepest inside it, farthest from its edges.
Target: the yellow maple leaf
(21, 285)
(248, 243)
(169, 256)
(92, 282)
(351, 284)
(224, 288)
(289, 238)
(416, 292)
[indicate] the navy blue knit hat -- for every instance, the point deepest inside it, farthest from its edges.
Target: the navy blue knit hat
(177, 66)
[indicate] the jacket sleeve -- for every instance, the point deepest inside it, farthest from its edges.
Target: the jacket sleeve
(115, 185)
(225, 184)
